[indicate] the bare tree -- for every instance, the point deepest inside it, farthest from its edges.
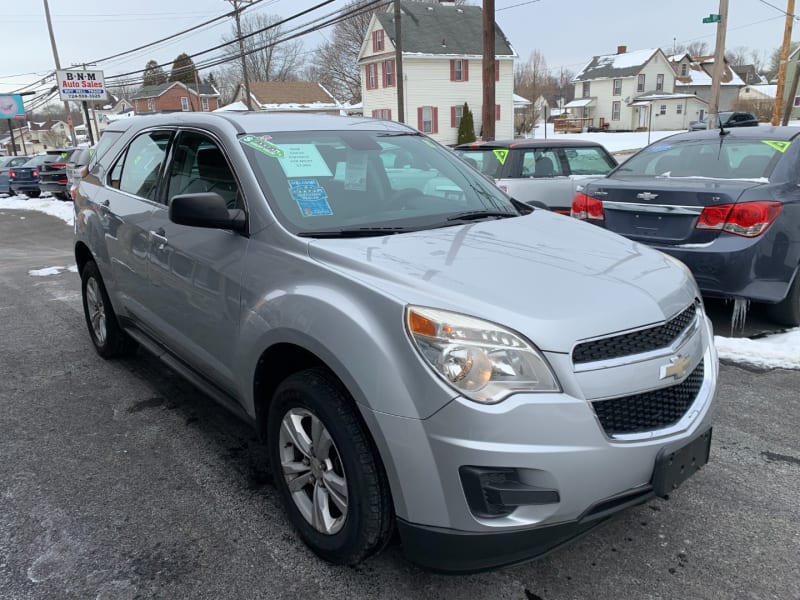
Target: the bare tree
(336, 62)
(275, 60)
(697, 49)
(533, 79)
(737, 56)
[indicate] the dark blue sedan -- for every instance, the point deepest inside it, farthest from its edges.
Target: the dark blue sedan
(6, 163)
(726, 203)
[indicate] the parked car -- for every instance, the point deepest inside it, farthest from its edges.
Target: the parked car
(420, 354)
(53, 174)
(6, 163)
(728, 119)
(77, 161)
(547, 172)
(24, 179)
(726, 205)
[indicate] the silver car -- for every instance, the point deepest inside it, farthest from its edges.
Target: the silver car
(420, 354)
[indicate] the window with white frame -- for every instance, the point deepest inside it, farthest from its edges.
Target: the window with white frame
(640, 83)
(660, 82)
(377, 40)
(427, 119)
(662, 109)
(615, 108)
(679, 109)
(388, 73)
(618, 87)
(684, 69)
(372, 76)
(456, 113)
(459, 70)
(204, 103)
(151, 104)
(184, 103)
(382, 113)
(797, 100)
(586, 89)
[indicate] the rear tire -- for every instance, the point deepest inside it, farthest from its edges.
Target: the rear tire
(32, 194)
(787, 311)
(328, 474)
(109, 339)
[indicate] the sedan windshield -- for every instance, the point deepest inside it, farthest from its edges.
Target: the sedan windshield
(714, 158)
(368, 182)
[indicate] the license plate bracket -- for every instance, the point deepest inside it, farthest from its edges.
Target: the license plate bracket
(675, 465)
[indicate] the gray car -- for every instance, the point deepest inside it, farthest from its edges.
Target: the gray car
(420, 355)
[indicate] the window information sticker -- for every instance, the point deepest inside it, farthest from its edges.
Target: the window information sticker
(779, 146)
(303, 160)
(501, 155)
(311, 198)
(355, 175)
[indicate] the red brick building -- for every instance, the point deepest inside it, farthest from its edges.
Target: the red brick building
(175, 96)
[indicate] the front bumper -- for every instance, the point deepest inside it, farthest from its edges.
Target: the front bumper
(557, 450)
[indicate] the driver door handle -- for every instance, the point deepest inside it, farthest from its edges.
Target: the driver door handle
(159, 236)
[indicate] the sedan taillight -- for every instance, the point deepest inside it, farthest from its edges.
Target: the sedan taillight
(57, 165)
(12, 174)
(587, 208)
(748, 219)
(34, 173)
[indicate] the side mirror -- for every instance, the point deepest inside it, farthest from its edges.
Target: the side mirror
(207, 209)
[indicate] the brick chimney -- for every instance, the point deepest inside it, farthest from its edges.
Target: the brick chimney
(622, 49)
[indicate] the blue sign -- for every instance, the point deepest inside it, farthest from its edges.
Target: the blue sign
(310, 197)
(11, 107)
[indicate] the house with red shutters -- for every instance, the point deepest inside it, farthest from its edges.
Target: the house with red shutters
(442, 69)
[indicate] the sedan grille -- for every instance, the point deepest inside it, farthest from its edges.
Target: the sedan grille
(651, 410)
(636, 342)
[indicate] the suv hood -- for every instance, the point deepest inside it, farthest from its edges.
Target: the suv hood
(552, 278)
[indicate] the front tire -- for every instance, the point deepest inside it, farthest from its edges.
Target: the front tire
(329, 477)
(109, 339)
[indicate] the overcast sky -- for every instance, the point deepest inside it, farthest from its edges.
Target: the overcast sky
(567, 32)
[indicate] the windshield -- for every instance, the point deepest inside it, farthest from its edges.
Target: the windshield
(328, 181)
(716, 158)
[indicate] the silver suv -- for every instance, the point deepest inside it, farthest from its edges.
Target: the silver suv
(418, 351)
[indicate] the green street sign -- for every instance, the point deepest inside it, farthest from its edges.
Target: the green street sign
(712, 18)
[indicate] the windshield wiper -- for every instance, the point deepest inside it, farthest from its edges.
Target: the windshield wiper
(351, 232)
(474, 215)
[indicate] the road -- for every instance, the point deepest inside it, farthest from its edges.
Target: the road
(120, 481)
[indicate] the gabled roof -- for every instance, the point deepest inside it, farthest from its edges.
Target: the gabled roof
(46, 125)
(700, 74)
(153, 91)
(616, 66)
(444, 29)
(291, 92)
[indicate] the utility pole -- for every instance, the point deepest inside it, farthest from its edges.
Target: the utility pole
(237, 10)
(398, 60)
(58, 68)
(787, 42)
(488, 112)
(719, 63)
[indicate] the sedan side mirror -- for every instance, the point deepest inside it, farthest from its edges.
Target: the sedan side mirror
(206, 209)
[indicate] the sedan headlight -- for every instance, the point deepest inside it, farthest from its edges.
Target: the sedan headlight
(481, 360)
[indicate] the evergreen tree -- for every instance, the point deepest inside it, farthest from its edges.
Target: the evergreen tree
(183, 70)
(153, 74)
(466, 129)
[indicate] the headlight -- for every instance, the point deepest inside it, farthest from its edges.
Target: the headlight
(481, 360)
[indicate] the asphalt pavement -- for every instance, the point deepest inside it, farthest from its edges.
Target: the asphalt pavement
(119, 481)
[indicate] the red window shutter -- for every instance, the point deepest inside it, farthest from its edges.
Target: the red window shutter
(452, 116)
(465, 67)
(452, 70)
(374, 41)
(383, 75)
(496, 70)
(496, 112)
(419, 118)
(374, 114)
(389, 114)
(435, 127)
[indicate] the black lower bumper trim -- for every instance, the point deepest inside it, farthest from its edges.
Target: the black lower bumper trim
(451, 551)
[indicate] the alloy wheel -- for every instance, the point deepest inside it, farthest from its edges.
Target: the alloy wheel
(97, 310)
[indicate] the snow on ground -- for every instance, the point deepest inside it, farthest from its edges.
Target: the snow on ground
(50, 206)
(781, 350)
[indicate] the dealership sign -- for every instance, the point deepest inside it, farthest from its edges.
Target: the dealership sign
(81, 85)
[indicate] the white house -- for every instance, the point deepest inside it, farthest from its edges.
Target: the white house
(629, 91)
(693, 76)
(442, 69)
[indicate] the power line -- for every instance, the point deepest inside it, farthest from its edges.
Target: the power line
(779, 9)
(516, 5)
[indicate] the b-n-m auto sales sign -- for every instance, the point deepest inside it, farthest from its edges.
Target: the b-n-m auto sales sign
(81, 85)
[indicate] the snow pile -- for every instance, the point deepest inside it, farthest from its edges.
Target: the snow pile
(57, 208)
(52, 271)
(776, 351)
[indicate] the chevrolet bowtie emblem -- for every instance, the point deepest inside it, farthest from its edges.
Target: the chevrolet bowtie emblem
(647, 196)
(677, 368)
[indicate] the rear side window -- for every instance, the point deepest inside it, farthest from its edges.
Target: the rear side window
(137, 171)
(541, 163)
(588, 161)
(489, 162)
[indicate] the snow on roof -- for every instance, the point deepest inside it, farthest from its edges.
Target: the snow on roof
(233, 106)
(579, 102)
(610, 66)
(768, 90)
(520, 101)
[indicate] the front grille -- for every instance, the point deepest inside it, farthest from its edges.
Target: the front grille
(651, 410)
(637, 342)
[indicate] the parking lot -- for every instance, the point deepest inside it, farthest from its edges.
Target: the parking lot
(120, 481)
